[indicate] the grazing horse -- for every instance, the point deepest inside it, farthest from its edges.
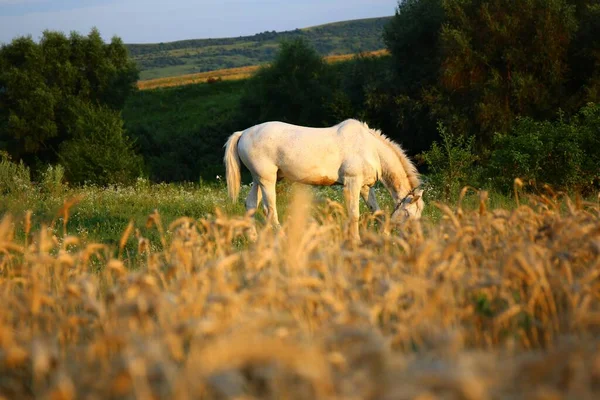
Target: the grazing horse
(349, 154)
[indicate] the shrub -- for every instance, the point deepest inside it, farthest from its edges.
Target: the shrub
(561, 153)
(52, 180)
(99, 152)
(450, 162)
(14, 178)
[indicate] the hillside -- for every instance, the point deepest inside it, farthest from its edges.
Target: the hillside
(228, 73)
(201, 55)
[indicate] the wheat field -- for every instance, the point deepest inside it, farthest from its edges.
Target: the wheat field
(484, 304)
(228, 73)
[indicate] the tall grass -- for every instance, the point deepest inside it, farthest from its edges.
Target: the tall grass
(485, 303)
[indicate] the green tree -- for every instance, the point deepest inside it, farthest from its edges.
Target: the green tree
(99, 151)
(360, 89)
(451, 163)
(565, 153)
(43, 85)
(294, 88)
(413, 39)
(584, 55)
(476, 65)
(504, 59)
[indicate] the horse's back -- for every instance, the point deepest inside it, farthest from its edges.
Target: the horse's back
(276, 134)
(301, 153)
(271, 138)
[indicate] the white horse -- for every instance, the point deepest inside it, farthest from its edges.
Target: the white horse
(349, 154)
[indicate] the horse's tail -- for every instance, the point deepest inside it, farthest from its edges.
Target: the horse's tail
(233, 165)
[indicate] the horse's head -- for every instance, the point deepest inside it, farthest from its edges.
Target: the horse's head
(411, 206)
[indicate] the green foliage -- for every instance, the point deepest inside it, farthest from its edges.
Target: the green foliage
(99, 151)
(294, 88)
(478, 65)
(360, 87)
(584, 55)
(412, 37)
(15, 178)
(53, 180)
(451, 163)
(180, 131)
(43, 85)
(501, 60)
(562, 154)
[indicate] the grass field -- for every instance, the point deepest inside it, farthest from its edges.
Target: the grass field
(101, 214)
(472, 302)
(227, 74)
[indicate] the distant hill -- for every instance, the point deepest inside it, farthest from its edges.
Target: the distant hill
(182, 57)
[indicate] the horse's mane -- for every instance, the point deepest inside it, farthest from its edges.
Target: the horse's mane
(411, 170)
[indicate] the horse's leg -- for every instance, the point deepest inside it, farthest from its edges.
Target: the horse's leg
(259, 198)
(368, 195)
(253, 197)
(352, 189)
(267, 186)
(251, 204)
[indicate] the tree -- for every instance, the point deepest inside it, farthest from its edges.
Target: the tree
(99, 151)
(584, 55)
(43, 85)
(504, 59)
(294, 88)
(476, 65)
(413, 39)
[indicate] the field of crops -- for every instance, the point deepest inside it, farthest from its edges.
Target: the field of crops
(480, 303)
(226, 74)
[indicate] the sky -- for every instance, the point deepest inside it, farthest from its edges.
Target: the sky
(152, 21)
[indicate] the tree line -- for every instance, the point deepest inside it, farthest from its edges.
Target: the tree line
(507, 89)
(61, 102)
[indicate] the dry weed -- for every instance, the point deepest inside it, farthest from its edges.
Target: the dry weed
(486, 304)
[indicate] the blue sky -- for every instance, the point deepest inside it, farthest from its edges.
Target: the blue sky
(150, 21)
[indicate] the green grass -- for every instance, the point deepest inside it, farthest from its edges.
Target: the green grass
(102, 214)
(160, 60)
